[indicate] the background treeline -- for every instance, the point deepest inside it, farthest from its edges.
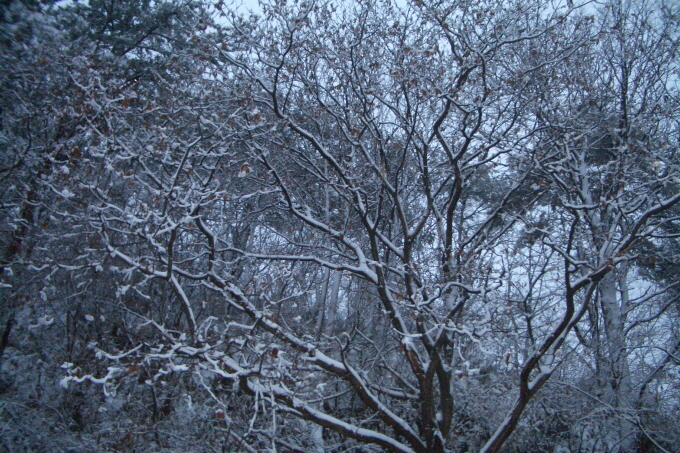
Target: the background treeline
(424, 226)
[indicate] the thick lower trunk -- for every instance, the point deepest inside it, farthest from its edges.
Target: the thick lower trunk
(4, 341)
(332, 306)
(618, 372)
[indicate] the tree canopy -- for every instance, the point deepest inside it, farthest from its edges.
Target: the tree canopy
(423, 226)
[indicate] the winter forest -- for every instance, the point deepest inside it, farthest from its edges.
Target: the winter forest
(324, 226)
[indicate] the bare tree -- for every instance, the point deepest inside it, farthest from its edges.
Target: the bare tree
(371, 226)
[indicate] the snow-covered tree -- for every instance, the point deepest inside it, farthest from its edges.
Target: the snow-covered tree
(434, 226)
